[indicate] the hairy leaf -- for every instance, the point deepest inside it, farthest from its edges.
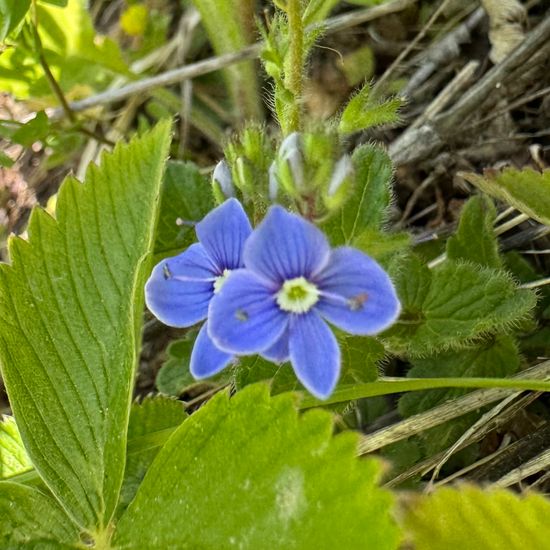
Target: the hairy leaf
(248, 472)
(468, 518)
(363, 112)
(475, 239)
(525, 189)
(367, 208)
(30, 519)
(13, 457)
(71, 308)
(453, 304)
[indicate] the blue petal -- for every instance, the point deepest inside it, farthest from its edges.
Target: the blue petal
(206, 358)
(244, 317)
(180, 288)
(278, 352)
(285, 246)
(357, 294)
(223, 233)
(314, 354)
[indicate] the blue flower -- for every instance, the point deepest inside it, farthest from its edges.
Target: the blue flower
(180, 289)
(292, 283)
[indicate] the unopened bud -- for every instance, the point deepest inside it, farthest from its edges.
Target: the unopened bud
(343, 169)
(273, 182)
(290, 154)
(222, 176)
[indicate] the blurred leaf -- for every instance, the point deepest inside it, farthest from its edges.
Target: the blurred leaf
(37, 129)
(12, 12)
(471, 518)
(367, 208)
(13, 456)
(154, 414)
(5, 161)
(498, 358)
(133, 19)
(382, 246)
(236, 18)
(174, 376)
(186, 198)
(525, 189)
(250, 473)
(453, 304)
(317, 11)
(30, 519)
(363, 112)
(359, 65)
(71, 306)
(475, 239)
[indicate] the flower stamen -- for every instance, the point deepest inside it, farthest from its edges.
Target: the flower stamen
(297, 295)
(219, 281)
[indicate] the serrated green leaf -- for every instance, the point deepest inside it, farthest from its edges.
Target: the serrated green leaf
(525, 189)
(30, 519)
(186, 198)
(475, 239)
(248, 472)
(363, 112)
(470, 518)
(13, 456)
(367, 208)
(12, 12)
(71, 305)
(498, 358)
(453, 304)
(152, 415)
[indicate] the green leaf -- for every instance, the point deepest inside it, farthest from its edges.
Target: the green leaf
(236, 18)
(452, 305)
(367, 207)
(186, 198)
(12, 12)
(475, 239)
(361, 356)
(174, 376)
(470, 518)
(36, 129)
(250, 473)
(13, 457)
(525, 189)
(497, 359)
(317, 11)
(30, 519)
(5, 160)
(381, 245)
(152, 415)
(71, 307)
(363, 112)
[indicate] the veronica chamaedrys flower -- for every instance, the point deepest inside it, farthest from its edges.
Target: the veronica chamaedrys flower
(180, 289)
(292, 284)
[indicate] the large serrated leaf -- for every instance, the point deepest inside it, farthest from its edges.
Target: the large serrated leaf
(71, 306)
(475, 239)
(367, 208)
(30, 519)
(471, 518)
(249, 473)
(453, 304)
(13, 456)
(525, 189)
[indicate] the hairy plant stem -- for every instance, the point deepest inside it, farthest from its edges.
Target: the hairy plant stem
(294, 74)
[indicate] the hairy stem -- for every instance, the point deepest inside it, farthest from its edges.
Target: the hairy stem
(294, 76)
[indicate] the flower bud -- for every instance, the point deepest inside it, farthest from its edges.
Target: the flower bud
(222, 176)
(339, 183)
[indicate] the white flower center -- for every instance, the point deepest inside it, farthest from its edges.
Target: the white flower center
(220, 280)
(297, 295)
